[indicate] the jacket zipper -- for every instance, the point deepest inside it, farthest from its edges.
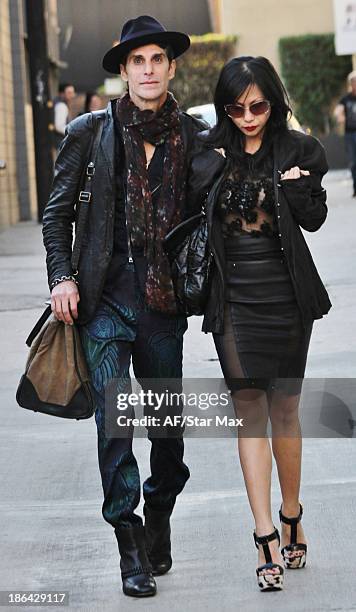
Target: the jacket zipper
(129, 258)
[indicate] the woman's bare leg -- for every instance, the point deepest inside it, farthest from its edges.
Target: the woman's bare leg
(287, 451)
(256, 463)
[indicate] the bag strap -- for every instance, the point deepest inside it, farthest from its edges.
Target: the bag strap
(84, 199)
(38, 326)
(85, 193)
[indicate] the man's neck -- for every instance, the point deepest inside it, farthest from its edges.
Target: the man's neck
(152, 105)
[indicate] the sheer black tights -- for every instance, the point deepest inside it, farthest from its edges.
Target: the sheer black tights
(256, 399)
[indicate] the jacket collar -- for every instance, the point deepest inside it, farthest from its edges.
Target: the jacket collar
(107, 143)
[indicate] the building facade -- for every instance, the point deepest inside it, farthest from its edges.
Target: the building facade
(9, 197)
(259, 26)
(101, 22)
(17, 177)
(18, 194)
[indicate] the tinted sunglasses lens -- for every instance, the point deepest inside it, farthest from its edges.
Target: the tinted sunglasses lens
(235, 110)
(259, 108)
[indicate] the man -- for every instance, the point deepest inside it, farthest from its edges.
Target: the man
(66, 93)
(345, 114)
(127, 306)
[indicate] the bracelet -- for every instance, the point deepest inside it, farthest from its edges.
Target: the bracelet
(63, 278)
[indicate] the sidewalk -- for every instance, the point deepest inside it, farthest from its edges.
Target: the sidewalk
(53, 536)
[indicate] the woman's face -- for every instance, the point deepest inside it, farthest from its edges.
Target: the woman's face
(95, 103)
(251, 125)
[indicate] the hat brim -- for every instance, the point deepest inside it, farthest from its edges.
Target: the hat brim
(178, 41)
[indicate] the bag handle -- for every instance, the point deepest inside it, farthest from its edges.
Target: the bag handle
(38, 326)
(85, 193)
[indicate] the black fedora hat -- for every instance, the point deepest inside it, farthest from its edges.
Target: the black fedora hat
(143, 30)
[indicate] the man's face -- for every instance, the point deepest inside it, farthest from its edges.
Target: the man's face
(69, 93)
(148, 72)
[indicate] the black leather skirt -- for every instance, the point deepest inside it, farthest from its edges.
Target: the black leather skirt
(264, 338)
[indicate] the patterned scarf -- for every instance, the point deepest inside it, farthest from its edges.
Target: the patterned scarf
(147, 227)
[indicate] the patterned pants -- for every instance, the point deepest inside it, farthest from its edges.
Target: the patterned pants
(154, 342)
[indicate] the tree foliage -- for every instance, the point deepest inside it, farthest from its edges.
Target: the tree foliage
(198, 69)
(314, 76)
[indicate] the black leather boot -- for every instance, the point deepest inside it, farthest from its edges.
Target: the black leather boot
(158, 540)
(136, 570)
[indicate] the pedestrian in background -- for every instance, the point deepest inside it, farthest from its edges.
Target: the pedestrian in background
(66, 93)
(263, 181)
(345, 114)
(93, 102)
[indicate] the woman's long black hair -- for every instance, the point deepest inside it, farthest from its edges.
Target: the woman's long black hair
(236, 77)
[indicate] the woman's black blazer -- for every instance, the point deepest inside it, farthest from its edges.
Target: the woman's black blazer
(299, 203)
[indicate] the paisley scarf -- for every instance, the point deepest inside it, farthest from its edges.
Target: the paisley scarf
(148, 226)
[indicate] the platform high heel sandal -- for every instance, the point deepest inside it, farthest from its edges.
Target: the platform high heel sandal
(267, 581)
(292, 561)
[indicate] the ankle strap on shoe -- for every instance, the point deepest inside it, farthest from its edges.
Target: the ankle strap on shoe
(293, 522)
(263, 540)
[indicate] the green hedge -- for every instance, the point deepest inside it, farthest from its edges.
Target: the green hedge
(314, 76)
(198, 69)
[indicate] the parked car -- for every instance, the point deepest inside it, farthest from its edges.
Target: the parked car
(205, 112)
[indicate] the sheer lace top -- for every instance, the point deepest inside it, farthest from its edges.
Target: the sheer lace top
(246, 205)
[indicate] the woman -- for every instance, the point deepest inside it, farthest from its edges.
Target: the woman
(93, 102)
(259, 182)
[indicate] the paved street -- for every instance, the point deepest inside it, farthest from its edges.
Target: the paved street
(53, 536)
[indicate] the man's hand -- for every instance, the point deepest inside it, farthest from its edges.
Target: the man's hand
(64, 300)
(294, 173)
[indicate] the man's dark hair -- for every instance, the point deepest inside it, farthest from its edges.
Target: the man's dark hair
(63, 86)
(168, 50)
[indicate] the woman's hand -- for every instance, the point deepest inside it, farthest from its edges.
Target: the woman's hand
(221, 151)
(294, 173)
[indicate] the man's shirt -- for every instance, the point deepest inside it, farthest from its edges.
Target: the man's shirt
(61, 114)
(125, 281)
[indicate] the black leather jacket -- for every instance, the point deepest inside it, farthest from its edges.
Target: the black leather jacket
(299, 202)
(59, 215)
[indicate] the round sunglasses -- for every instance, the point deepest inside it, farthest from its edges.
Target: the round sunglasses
(237, 111)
